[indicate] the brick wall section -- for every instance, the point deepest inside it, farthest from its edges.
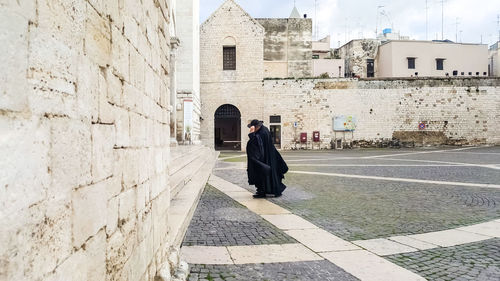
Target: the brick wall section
(85, 138)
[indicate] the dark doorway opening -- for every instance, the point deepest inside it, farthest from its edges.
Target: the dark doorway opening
(227, 128)
(370, 68)
(276, 135)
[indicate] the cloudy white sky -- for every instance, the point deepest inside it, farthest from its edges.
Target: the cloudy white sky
(350, 19)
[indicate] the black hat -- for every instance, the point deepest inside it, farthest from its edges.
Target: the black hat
(255, 123)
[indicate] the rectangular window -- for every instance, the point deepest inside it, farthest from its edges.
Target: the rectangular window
(439, 64)
(275, 119)
(411, 63)
(229, 56)
(315, 57)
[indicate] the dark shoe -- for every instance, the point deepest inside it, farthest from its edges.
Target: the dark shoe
(258, 196)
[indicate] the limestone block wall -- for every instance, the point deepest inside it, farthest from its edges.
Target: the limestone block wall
(241, 87)
(84, 139)
(287, 47)
(465, 111)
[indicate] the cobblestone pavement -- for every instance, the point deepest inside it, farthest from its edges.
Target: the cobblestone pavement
(359, 209)
(221, 221)
(476, 261)
(306, 271)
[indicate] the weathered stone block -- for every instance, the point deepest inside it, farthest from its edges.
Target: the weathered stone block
(127, 200)
(89, 212)
(13, 95)
(112, 216)
(97, 38)
(70, 154)
(26, 148)
(103, 141)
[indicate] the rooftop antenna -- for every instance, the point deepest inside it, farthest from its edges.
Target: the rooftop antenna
(498, 26)
(316, 18)
(442, 19)
(426, 19)
(376, 25)
(457, 22)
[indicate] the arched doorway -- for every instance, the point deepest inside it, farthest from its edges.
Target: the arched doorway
(227, 128)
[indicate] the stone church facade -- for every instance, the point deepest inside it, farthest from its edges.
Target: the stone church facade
(268, 77)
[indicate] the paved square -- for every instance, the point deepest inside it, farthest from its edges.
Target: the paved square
(400, 209)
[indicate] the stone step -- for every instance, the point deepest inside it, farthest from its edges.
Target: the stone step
(184, 175)
(179, 152)
(183, 205)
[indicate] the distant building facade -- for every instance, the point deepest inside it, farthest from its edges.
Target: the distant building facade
(187, 107)
(324, 61)
(359, 57)
(431, 59)
(494, 60)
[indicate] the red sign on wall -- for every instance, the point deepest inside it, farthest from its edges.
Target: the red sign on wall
(316, 136)
(303, 137)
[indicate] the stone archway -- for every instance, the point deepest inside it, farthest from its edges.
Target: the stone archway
(227, 128)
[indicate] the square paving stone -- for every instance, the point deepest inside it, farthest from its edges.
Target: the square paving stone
(206, 255)
(448, 238)
(289, 222)
(271, 254)
(384, 247)
(367, 266)
(421, 245)
(320, 240)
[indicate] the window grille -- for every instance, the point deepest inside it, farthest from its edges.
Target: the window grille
(229, 55)
(275, 119)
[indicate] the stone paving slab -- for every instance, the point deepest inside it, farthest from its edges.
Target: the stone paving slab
(491, 229)
(475, 261)
(320, 240)
(417, 244)
(289, 222)
(384, 247)
(370, 267)
(271, 254)
(206, 255)
(297, 271)
(263, 207)
(448, 238)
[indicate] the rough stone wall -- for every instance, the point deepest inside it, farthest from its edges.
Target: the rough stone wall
(356, 53)
(288, 43)
(84, 120)
(219, 87)
(465, 111)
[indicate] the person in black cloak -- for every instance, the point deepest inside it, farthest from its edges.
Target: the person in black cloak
(266, 167)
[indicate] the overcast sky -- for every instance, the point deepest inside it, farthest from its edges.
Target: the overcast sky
(350, 19)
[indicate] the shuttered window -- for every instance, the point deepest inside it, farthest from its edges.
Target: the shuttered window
(229, 54)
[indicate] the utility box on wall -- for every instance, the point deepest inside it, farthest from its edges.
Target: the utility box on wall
(303, 137)
(316, 136)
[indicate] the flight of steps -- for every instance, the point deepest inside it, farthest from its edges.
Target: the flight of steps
(190, 168)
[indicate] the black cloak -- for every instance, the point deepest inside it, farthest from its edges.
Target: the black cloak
(266, 167)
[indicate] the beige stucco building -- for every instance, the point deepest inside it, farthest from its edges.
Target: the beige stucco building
(494, 60)
(324, 61)
(431, 59)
